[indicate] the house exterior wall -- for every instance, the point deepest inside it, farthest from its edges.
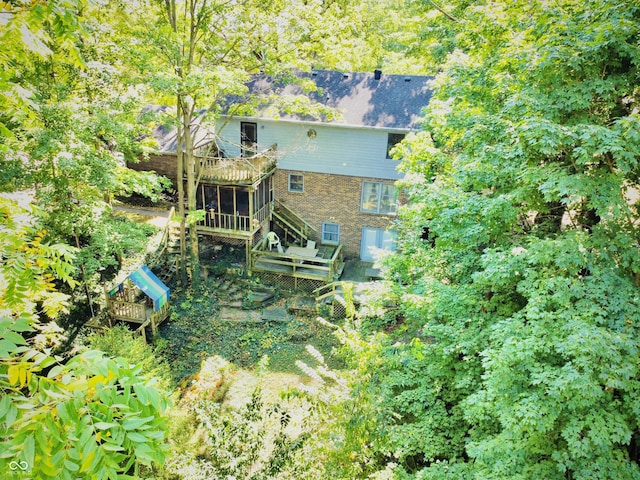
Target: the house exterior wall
(335, 163)
(162, 164)
(331, 198)
(335, 149)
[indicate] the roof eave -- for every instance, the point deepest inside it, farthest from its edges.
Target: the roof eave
(321, 123)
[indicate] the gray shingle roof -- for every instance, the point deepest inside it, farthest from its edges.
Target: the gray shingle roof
(393, 101)
(167, 135)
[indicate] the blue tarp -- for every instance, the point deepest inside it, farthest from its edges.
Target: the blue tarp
(151, 285)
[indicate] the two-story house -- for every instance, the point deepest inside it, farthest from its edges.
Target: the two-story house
(324, 177)
(335, 171)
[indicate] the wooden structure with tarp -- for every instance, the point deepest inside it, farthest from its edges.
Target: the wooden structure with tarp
(141, 299)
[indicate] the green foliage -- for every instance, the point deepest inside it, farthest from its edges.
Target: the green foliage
(119, 342)
(252, 443)
(89, 415)
(29, 264)
(73, 124)
(517, 275)
(92, 416)
(111, 240)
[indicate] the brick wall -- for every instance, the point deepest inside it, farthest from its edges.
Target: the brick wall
(326, 198)
(330, 198)
(161, 164)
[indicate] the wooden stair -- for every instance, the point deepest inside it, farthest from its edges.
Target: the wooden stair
(332, 296)
(291, 223)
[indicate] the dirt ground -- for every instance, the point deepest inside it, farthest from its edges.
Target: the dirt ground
(156, 218)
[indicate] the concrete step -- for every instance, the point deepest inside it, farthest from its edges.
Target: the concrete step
(275, 314)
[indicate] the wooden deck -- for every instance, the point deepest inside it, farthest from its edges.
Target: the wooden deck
(139, 313)
(237, 171)
(298, 266)
(233, 226)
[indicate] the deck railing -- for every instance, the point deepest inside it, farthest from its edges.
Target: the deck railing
(237, 170)
(262, 214)
(134, 312)
(227, 221)
(314, 268)
(237, 222)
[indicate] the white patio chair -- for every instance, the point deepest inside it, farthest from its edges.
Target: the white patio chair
(273, 241)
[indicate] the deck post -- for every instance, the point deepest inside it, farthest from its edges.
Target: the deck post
(153, 326)
(219, 207)
(251, 192)
(247, 256)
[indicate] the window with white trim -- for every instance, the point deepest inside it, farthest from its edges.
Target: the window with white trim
(330, 233)
(379, 197)
(296, 183)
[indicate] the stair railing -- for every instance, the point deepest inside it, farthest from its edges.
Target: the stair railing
(292, 219)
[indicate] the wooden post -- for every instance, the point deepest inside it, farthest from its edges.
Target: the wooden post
(219, 209)
(235, 209)
(247, 247)
(153, 325)
(204, 200)
(251, 212)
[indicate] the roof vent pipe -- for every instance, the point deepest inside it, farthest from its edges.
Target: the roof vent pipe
(377, 74)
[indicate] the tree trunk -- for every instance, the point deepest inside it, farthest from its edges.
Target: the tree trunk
(180, 181)
(189, 161)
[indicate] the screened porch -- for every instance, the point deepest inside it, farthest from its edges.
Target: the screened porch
(234, 210)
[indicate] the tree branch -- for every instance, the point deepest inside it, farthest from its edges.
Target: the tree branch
(441, 10)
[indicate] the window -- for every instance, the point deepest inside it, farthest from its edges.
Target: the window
(378, 197)
(392, 140)
(248, 138)
(330, 233)
(296, 183)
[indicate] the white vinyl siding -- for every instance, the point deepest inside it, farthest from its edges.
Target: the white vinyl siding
(352, 151)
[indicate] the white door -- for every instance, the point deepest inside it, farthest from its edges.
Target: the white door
(374, 240)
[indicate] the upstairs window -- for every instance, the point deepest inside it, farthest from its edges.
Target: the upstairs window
(248, 138)
(296, 183)
(379, 197)
(392, 140)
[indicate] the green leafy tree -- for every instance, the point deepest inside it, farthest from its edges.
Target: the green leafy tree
(88, 415)
(518, 269)
(252, 442)
(72, 126)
